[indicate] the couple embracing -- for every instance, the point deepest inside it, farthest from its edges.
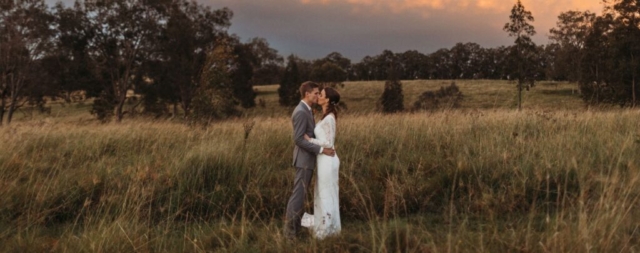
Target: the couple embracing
(314, 145)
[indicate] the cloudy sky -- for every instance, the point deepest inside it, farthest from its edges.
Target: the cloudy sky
(314, 28)
(356, 28)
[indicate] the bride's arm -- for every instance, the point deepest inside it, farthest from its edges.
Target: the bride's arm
(324, 144)
(329, 129)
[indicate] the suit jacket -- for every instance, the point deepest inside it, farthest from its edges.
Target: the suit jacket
(304, 152)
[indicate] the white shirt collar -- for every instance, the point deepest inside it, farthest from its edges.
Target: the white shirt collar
(305, 103)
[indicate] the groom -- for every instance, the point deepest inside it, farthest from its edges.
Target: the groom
(304, 156)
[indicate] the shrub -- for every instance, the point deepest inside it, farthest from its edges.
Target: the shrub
(392, 99)
(445, 98)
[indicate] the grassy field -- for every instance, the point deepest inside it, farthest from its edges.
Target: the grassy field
(485, 178)
(361, 97)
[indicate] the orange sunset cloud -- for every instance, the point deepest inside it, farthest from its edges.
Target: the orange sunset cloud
(542, 7)
(545, 12)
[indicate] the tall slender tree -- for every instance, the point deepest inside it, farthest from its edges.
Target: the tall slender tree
(524, 48)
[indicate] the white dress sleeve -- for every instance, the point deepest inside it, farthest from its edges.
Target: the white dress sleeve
(329, 128)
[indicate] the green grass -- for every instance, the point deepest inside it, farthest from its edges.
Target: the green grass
(547, 179)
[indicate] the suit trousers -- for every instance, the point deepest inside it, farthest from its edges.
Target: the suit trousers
(295, 205)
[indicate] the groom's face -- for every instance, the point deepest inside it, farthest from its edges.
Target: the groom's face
(313, 95)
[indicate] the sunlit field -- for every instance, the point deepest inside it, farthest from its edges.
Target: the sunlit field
(555, 177)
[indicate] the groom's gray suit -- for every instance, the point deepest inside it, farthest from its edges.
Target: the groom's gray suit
(304, 160)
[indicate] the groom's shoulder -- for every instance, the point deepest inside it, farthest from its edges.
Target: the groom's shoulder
(296, 110)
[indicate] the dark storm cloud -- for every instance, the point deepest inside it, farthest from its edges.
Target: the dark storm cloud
(356, 28)
(313, 31)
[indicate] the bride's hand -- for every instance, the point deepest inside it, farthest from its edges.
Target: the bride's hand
(306, 137)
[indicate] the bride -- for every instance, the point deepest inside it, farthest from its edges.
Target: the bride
(326, 209)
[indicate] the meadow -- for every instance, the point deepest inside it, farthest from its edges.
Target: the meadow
(555, 177)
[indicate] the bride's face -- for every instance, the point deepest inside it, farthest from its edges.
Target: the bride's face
(322, 99)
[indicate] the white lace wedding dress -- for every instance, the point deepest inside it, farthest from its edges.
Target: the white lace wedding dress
(326, 208)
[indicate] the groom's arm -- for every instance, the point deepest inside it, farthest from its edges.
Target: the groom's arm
(299, 127)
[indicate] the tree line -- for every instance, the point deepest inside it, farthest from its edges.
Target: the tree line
(176, 57)
(166, 56)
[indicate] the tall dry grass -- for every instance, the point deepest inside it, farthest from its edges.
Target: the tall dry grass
(488, 181)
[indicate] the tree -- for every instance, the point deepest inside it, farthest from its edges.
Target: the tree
(440, 62)
(331, 70)
(125, 34)
(242, 74)
(328, 73)
(25, 38)
(594, 66)
(269, 66)
(492, 62)
(191, 32)
(214, 96)
(569, 34)
(626, 49)
(554, 66)
(524, 48)
(289, 86)
(175, 69)
(68, 67)
(362, 70)
(413, 64)
(465, 60)
(392, 99)
(610, 67)
(382, 63)
(571, 28)
(374, 68)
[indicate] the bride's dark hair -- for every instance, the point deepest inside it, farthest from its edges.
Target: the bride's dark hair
(334, 99)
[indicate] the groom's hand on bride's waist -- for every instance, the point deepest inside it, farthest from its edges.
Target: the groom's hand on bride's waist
(329, 151)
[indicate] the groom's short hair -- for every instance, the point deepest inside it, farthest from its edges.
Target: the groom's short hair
(307, 86)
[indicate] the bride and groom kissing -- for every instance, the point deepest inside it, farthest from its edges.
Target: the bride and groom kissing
(314, 146)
